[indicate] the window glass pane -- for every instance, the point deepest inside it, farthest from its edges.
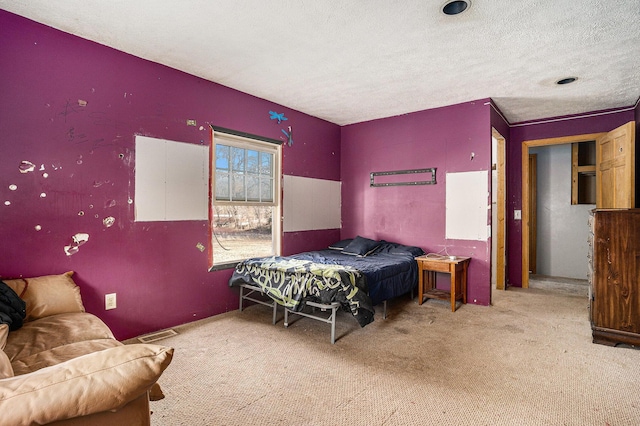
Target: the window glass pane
(266, 189)
(241, 232)
(252, 162)
(237, 159)
(266, 164)
(253, 188)
(222, 157)
(237, 186)
(222, 185)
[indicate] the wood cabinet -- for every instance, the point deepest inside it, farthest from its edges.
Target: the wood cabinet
(615, 276)
(583, 172)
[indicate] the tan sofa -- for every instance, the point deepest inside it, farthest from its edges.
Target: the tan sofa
(64, 366)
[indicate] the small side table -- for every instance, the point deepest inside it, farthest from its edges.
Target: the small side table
(456, 266)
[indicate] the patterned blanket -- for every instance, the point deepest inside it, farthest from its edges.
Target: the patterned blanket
(291, 282)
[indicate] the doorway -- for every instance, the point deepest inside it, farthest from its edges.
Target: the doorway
(614, 169)
(529, 197)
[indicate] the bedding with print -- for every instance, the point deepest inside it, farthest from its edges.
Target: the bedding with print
(291, 282)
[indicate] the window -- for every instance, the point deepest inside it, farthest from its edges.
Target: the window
(245, 206)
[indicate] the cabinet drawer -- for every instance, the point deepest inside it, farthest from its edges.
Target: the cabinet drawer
(435, 266)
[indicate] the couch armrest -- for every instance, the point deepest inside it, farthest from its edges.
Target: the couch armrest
(100, 381)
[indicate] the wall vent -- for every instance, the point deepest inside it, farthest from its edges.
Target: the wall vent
(154, 337)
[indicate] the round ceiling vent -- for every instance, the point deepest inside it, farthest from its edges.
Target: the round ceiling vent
(455, 7)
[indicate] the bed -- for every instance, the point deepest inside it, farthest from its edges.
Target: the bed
(353, 275)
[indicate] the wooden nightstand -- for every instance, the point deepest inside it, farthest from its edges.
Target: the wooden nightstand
(456, 266)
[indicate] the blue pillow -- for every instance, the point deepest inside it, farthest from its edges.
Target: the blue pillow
(361, 246)
(340, 245)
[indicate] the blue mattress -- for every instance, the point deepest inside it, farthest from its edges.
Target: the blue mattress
(390, 270)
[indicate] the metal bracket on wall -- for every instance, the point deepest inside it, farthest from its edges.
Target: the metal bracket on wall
(432, 171)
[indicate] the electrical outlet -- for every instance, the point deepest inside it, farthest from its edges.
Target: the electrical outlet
(109, 301)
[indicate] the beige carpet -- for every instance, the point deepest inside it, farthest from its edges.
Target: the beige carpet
(526, 360)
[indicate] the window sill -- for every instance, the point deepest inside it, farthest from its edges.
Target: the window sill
(223, 266)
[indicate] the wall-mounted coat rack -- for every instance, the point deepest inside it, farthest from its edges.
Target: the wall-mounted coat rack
(431, 171)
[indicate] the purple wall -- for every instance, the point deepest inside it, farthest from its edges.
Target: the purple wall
(443, 138)
(72, 108)
(549, 128)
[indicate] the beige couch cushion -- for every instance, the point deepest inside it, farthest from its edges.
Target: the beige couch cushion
(60, 354)
(5, 364)
(48, 295)
(54, 331)
(115, 376)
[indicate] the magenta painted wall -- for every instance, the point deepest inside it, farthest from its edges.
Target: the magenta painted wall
(443, 138)
(72, 108)
(549, 128)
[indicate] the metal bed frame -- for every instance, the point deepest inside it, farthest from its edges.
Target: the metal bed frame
(252, 296)
(254, 291)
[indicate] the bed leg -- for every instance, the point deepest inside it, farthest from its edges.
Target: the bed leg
(241, 294)
(275, 311)
(384, 310)
(333, 325)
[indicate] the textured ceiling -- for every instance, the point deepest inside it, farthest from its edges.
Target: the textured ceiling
(352, 61)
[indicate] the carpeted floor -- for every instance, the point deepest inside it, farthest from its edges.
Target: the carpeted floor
(526, 360)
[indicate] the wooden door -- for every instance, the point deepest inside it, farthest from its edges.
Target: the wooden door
(615, 168)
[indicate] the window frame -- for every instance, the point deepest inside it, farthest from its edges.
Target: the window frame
(224, 136)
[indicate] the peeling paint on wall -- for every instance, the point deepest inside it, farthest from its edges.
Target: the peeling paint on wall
(109, 221)
(26, 166)
(77, 240)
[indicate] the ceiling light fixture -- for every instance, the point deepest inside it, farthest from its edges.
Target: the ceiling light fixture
(455, 7)
(566, 80)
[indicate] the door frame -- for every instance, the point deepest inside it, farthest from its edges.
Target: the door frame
(501, 198)
(532, 211)
(525, 188)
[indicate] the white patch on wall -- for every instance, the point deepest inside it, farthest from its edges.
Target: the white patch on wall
(171, 180)
(310, 204)
(466, 201)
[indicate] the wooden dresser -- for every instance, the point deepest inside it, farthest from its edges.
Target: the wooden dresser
(615, 276)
